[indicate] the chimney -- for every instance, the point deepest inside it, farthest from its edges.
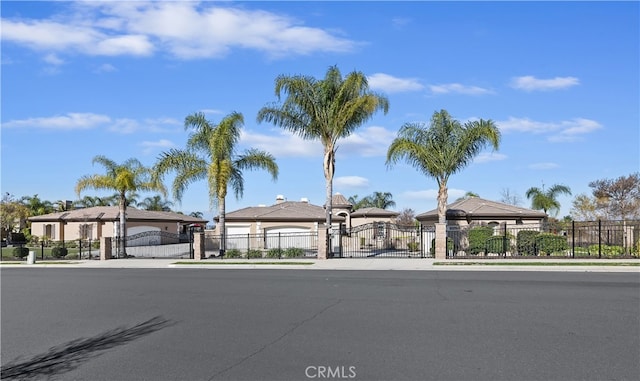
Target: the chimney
(279, 199)
(305, 200)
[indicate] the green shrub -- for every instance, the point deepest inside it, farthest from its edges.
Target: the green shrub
(547, 244)
(275, 253)
(254, 253)
(59, 252)
(607, 251)
(413, 246)
(478, 237)
(497, 244)
(293, 252)
(362, 242)
(526, 242)
(233, 253)
(20, 252)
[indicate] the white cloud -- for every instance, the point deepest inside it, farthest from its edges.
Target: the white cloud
(350, 182)
(390, 84)
(486, 157)
(432, 194)
(531, 83)
(282, 144)
(563, 131)
(212, 111)
(70, 121)
(543, 166)
(150, 146)
(186, 30)
(457, 88)
(106, 68)
(53, 59)
(367, 142)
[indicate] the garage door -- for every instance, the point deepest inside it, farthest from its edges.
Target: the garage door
(285, 238)
(237, 237)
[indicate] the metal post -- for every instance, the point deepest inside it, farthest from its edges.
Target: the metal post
(79, 248)
(504, 242)
(599, 238)
(573, 239)
(42, 249)
(279, 246)
(421, 241)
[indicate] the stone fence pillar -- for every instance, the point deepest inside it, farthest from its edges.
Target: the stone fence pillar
(198, 246)
(322, 242)
(441, 240)
(105, 248)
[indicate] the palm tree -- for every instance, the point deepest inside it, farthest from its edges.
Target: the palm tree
(130, 176)
(547, 200)
(196, 214)
(468, 195)
(382, 200)
(443, 148)
(36, 206)
(326, 110)
(156, 203)
(91, 201)
(211, 154)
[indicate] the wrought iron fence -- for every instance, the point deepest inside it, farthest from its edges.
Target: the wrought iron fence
(265, 245)
(591, 239)
(53, 250)
(385, 240)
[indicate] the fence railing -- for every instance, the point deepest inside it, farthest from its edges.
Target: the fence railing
(53, 250)
(592, 239)
(268, 245)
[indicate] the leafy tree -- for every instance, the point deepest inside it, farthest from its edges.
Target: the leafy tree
(442, 149)
(210, 155)
(91, 201)
(130, 176)
(63, 206)
(326, 110)
(155, 203)
(585, 208)
(620, 198)
(547, 201)
(12, 214)
(382, 200)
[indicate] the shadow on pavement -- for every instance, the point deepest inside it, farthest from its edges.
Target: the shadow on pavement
(66, 357)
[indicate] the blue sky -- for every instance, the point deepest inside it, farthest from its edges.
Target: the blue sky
(561, 81)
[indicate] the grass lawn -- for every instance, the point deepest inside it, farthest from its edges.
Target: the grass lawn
(244, 263)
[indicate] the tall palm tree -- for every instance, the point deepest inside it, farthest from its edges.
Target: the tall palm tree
(129, 176)
(326, 110)
(442, 149)
(211, 154)
(547, 201)
(155, 203)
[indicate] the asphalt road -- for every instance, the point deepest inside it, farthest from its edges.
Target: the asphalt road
(199, 324)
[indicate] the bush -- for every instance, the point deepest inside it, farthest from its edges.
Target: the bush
(17, 238)
(233, 253)
(59, 252)
(525, 242)
(478, 237)
(547, 244)
(293, 252)
(497, 244)
(254, 253)
(413, 246)
(20, 252)
(275, 253)
(607, 251)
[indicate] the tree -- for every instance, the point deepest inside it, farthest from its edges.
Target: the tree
(620, 198)
(326, 110)
(156, 203)
(211, 154)
(12, 214)
(382, 200)
(407, 217)
(130, 176)
(510, 198)
(91, 201)
(196, 214)
(442, 149)
(547, 201)
(585, 208)
(36, 206)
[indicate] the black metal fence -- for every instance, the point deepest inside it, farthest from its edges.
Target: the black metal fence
(591, 239)
(155, 244)
(384, 240)
(268, 245)
(53, 250)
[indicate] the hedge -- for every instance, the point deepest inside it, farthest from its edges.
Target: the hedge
(478, 237)
(526, 242)
(547, 243)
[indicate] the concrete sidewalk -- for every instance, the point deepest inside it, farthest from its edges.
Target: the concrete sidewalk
(424, 264)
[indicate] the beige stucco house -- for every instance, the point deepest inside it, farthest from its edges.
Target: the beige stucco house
(103, 221)
(478, 211)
